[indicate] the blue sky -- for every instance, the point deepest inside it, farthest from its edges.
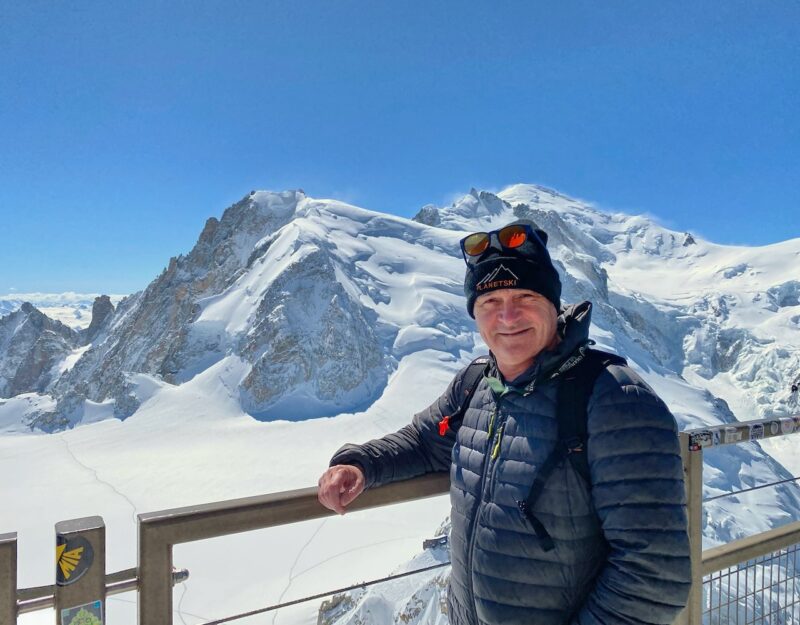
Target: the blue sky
(124, 125)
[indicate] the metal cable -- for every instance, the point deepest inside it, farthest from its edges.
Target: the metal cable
(747, 490)
(325, 594)
(422, 570)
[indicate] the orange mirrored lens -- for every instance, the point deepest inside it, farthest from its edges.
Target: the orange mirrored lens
(476, 243)
(512, 237)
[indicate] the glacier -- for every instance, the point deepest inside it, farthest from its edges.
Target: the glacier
(296, 324)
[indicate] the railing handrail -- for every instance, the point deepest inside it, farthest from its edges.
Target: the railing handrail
(746, 549)
(222, 518)
(742, 432)
(200, 522)
(160, 531)
(42, 597)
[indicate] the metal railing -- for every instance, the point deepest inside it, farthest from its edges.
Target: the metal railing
(159, 532)
(747, 581)
(744, 588)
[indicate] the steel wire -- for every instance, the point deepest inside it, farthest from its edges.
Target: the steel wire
(287, 604)
(747, 490)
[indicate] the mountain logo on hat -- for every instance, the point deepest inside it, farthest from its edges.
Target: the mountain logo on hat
(500, 278)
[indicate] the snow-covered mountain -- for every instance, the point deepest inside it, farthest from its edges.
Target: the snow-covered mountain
(709, 327)
(71, 309)
(291, 308)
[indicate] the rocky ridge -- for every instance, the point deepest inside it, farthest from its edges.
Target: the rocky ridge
(296, 308)
(290, 288)
(699, 338)
(32, 345)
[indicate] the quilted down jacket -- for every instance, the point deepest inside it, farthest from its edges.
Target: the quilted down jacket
(621, 551)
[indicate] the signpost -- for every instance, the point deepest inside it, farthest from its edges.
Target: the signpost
(80, 595)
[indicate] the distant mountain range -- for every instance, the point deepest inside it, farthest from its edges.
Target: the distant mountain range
(292, 287)
(295, 308)
(71, 309)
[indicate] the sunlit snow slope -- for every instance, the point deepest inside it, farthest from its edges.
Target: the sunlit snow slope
(297, 324)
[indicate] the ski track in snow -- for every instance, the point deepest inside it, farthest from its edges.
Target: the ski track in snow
(342, 553)
(708, 299)
(178, 610)
(225, 384)
(97, 477)
(293, 575)
(294, 564)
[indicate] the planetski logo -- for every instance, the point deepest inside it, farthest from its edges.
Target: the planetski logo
(500, 278)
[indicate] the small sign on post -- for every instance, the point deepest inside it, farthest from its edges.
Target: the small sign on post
(81, 571)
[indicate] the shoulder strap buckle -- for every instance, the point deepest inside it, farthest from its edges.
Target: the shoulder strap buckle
(469, 382)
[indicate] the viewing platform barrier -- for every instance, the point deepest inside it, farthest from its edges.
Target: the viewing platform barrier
(752, 580)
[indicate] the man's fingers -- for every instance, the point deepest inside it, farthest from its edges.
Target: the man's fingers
(351, 491)
(329, 493)
(339, 486)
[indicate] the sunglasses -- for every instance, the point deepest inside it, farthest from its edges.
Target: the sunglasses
(509, 238)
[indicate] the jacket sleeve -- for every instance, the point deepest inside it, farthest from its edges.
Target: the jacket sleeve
(411, 451)
(638, 493)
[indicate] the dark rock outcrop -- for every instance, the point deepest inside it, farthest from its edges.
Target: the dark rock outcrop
(428, 215)
(31, 347)
(150, 331)
(102, 311)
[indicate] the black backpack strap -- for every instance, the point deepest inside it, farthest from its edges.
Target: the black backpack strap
(469, 382)
(574, 388)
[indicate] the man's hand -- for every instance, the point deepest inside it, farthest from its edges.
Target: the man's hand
(339, 486)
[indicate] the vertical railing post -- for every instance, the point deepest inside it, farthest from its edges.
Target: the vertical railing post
(8, 579)
(80, 571)
(693, 477)
(155, 576)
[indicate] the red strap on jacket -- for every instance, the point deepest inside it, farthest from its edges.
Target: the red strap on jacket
(443, 425)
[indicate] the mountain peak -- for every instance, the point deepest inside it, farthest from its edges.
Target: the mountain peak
(277, 202)
(279, 267)
(472, 210)
(33, 345)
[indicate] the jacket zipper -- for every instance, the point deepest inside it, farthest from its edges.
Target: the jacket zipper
(492, 452)
(491, 421)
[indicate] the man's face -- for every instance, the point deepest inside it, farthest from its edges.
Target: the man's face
(516, 324)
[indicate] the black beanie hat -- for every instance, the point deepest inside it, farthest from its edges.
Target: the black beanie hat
(527, 267)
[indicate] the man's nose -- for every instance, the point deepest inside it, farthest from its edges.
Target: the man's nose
(509, 311)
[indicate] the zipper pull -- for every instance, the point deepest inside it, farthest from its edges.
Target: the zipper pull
(496, 450)
(491, 421)
(443, 425)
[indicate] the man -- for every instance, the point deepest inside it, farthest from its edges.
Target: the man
(608, 549)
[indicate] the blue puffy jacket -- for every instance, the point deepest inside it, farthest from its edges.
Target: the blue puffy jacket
(621, 547)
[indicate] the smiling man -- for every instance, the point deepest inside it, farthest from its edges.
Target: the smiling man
(566, 482)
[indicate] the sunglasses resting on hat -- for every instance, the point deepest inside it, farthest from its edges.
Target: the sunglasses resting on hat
(508, 238)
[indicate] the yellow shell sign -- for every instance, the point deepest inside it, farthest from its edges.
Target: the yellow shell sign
(73, 559)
